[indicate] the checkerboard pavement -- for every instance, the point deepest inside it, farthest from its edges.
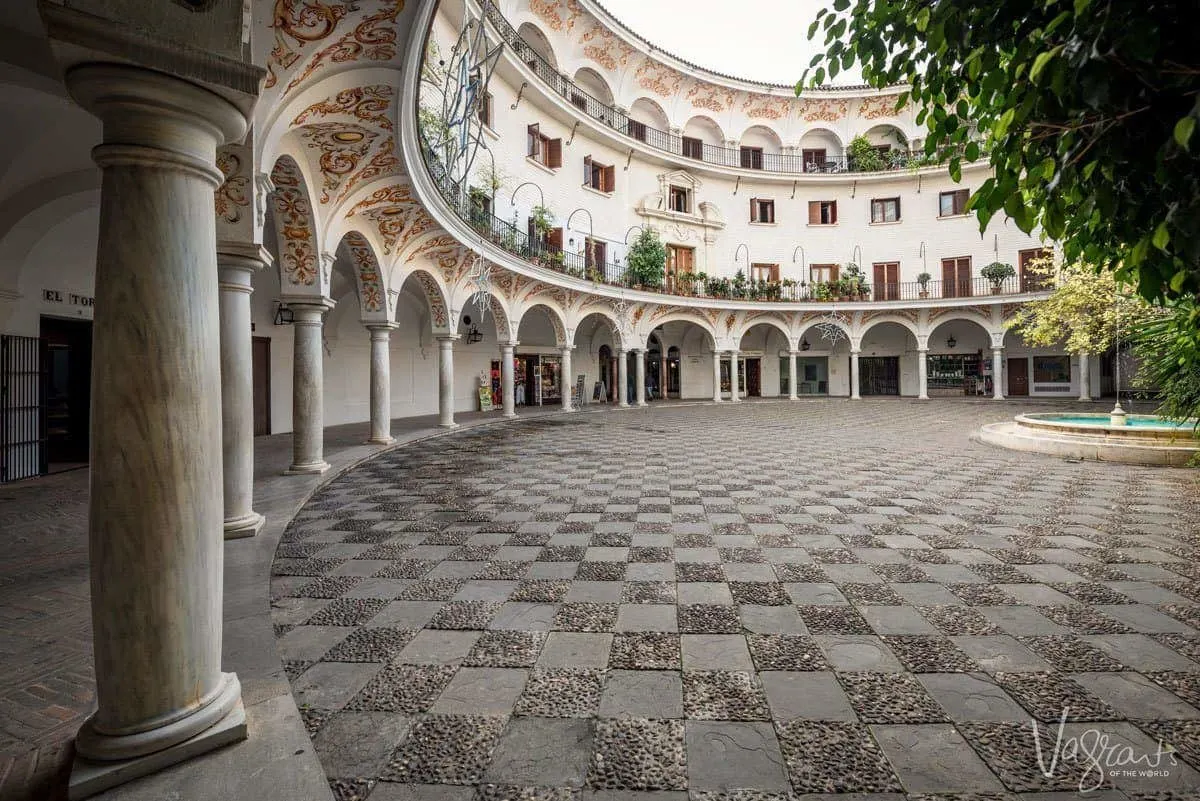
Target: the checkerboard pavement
(754, 603)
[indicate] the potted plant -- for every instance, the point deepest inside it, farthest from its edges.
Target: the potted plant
(853, 282)
(821, 291)
(863, 156)
(543, 220)
(997, 272)
(701, 283)
(738, 284)
(647, 260)
(923, 280)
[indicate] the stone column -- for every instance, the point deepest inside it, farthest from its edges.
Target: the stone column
(854, 393)
(566, 379)
(716, 376)
(733, 377)
(923, 374)
(156, 512)
(640, 377)
(997, 373)
(1085, 377)
(446, 381)
(381, 383)
(622, 379)
(507, 390)
(793, 390)
(236, 264)
(308, 386)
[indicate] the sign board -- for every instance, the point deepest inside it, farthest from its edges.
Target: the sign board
(485, 399)
(580, 385)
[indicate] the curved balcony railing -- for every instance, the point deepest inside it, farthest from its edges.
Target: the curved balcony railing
(686, 147)
(536, 250)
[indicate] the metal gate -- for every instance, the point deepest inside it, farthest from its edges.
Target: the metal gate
(22, 414)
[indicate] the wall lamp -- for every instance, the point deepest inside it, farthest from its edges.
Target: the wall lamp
(473, 336)
(951, 342)
(283, 315)
(804, 344)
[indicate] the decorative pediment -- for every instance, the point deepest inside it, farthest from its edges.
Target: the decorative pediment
(678, 178)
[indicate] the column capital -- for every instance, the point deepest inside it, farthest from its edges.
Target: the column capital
(382, 330)
(448, 337)
(308, 310)
(855, 351)
(307, 301)
(249, 256)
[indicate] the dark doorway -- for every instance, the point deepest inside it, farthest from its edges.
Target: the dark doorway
(753, 378)
(67, 356)
(1018, 376)
(261, 361)
(879, 375)
(673, 374)
(607, 372)
(654, 370)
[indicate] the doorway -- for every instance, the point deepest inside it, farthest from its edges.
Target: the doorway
(1018, 376)
(753, 378)
(260, 358)
(673, 372)
(879, 375)
(607, 371)
(67, 356)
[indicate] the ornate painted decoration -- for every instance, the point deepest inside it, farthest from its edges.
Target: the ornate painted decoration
(341, 147)
(873, 108)
(364, 103)
(373, 39)
(366, 269)
(293, 220)
(709, 96)
(658, 78)
(824, 110)
(605, 48)
(433, 293)
(766, 107)
(231, 197)
(297, 23)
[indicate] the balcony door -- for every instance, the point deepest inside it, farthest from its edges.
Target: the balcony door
(956, 277)
(887, 280)
(680, 260)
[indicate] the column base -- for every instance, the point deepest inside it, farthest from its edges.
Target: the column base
(309, 469)
(447, 425)
(381, 440)
(511, 415)
(247, 526)
(997, 397)
(793, 397)
(642, 403)
(922, 397)
(89, 778)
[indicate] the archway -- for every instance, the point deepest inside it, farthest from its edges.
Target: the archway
(596, 343)
(763, 368)
(685, 363)
(823, 364)
(536, 49)
(537, 377)
(959, 360)
(888, 361)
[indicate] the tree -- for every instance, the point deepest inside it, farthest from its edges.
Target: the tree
(1087, 109)
(1092, 307)
(647, 259)
(1170, 362)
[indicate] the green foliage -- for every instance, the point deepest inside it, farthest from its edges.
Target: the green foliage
(997, 271)
(1087, 110)
(1086, 312)
(863, 155)
(543, 220)
(647, 259)
(923, 279)
(1170, 360)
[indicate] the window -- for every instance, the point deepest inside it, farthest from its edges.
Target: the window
(680, 260)
(885, 210)
(636, 129)
(595, 253)
(813, 158)
(823, 273)
(1032, 281)
(1052, 369)
(762, 211)
(952, 203)
(485, 109)
(680, 199)
(693, 148)
(752, 158)
(579, 101)
(543, 149)
(764, 272)
(887, 280)
(598, 176)
(822, 212)
(956, 277)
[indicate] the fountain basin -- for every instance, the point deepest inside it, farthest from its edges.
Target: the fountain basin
(1142, 439)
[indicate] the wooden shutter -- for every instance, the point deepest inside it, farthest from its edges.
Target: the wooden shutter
(832, 212)
(814, 212)
(609, 178)
(754, 209)
(770, 206)
(554, 238)
(949, 278)
(960, 200)
(554, 154)
(834, 272)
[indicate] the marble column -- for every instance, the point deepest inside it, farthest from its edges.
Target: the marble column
(567, 384)
(236, 264)
(381, 383)
(622, 379)
(640, 377)
(156, 512)
(733, 377)
(854, 390)
(922, 374)
(997, 373)
(308, 386)
(793, 390)
(507, 390)
(1085, 377)
(716, 376)
(446, 381)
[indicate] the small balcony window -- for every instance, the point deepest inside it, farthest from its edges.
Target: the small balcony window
(752, 158)
(952, 203)
(601, 177)
(762, 211)
(679, 199)
(543, 149)
(693, 148)
(885, 210)
(822, 212)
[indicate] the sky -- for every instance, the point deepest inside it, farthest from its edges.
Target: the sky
(765, 40)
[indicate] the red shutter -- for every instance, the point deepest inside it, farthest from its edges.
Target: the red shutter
(610, 178)
(554, 238)
(771, 211)
(814, 212)
(753, 203)
(587, 170)
(554, 157)
(833, 212)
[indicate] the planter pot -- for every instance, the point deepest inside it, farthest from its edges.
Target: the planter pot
(923, 294)
(996, 288)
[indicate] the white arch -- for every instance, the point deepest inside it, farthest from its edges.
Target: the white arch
(770, 322)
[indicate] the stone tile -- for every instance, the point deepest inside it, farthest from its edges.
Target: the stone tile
(407, 614)
(897, 620)
(834, 757)
(715, 652)
(520, 616)
(438, 647)
(330, 685)
(723, 695)
(638, 754)
(771, 619)
(970, 696)
(641, 693)
(481, 691)
(534, 752)
(807, 695)
(850, 653)
(934, 759)
(359, 743)
(1140, 652)
(727, 756)
(445, 749)
(575, 649)
(1135, 696)
(646, 617)
(1000, 653)
(310, 643)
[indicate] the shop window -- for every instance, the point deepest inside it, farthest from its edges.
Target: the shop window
(485, 109)
(952, 203)
(885, 210)
(823, 273)
(764, 272)
(693, 148)
(1052, 369)
(543, 149)
(680, 199)
(752, 158)
(822, 212)
(762, 211)
(601, 177)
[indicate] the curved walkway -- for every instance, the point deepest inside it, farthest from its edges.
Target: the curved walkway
(799, 598)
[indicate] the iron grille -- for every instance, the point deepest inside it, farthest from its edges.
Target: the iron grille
(22, 414)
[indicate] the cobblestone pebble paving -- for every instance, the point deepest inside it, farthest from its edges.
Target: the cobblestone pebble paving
(839, 583)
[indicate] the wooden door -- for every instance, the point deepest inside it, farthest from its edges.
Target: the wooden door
(260, 357)
(956, 277)
(753, 378)
(887, 280)
(1018, 376)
